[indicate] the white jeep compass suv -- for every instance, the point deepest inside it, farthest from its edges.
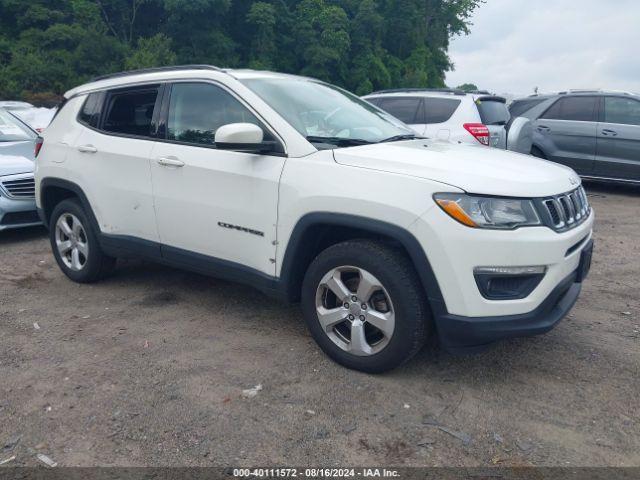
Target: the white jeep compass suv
(308, 193)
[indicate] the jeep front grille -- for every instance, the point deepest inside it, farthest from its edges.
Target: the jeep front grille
(567, 210)
(24, 187)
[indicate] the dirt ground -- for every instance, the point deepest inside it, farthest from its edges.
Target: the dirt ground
(147, 368)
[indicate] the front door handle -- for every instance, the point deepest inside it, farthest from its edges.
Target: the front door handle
(87, 149)
(170, 162)
(543, 129)
(609, 133)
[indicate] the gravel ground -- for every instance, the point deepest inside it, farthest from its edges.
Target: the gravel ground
(148, 368)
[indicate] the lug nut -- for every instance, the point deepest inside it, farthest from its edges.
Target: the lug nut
(362, 317)
(346, 305)
(364, 306)
(354, 298)
(351, 317)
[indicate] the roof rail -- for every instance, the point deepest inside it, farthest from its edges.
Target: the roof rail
(580, 90)
(156, 70)
(452, 91)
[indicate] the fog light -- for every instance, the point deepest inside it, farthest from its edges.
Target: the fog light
(508, 283)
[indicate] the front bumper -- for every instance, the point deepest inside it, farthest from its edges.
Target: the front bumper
(17, 213)
(471, 334)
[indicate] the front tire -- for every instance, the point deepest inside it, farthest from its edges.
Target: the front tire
(365, 306)
(75, 244)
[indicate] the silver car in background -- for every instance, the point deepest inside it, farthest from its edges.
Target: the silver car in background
(478, 118)
(17, 187)
(595, 132)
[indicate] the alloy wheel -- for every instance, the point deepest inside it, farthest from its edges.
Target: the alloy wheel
(355, 310)
(71, 241)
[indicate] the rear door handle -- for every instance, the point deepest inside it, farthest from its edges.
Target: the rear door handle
(87, 149)
(170, 162)
(609, 133)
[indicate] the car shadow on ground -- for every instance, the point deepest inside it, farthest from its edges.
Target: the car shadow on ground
(605, 188)
(18, 235)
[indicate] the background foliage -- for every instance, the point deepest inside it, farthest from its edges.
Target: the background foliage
(48, 46)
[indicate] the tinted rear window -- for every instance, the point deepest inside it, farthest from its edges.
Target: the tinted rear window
(404, 108)
(518, 107)
(581, 109)
(493, 112)
(438, 110)
(130, 112)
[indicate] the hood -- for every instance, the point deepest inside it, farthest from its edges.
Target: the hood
(23, 148)
(474, 169)
(12, 164)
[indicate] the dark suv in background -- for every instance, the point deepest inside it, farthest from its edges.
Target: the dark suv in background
(595, 132)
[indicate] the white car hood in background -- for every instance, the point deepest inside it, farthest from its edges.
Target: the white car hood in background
(474, 169)
(11, 164)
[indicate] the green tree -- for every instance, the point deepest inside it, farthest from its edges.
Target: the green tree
(49, 46)
(262, 17)
(151, 52)
(467, 87)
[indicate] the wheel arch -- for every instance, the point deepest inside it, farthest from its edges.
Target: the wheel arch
(54, 190)
(316, 231)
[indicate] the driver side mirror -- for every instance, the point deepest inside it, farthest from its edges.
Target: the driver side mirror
(245, 137)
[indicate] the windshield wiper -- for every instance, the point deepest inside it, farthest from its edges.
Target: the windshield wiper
(338, 141)
(396, 138)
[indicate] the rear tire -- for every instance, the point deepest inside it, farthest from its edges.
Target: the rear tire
(75, 244)
(386, 317)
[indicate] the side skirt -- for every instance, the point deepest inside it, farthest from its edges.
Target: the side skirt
(124, 246)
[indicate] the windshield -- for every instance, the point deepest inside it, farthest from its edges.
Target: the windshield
(327, 114)
(12, 129)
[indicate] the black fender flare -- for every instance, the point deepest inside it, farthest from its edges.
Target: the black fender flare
(295, 249)
(46, 210)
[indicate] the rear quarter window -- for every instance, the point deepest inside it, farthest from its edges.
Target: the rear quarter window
(91, 109)
(493, 112)
(439, 110)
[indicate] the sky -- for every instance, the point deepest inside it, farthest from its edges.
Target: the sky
(516, 45)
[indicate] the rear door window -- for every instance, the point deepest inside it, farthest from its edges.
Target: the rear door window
(130, 112)
(404, 109)
(580, 109)
(439, 110)
(493, 112)
(624, 111)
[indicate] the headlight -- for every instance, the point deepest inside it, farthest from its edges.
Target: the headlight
(488, 212)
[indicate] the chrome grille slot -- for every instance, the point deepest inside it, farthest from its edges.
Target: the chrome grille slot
(576, 207)
(566, 210)
(554, 211)
(20, 188)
